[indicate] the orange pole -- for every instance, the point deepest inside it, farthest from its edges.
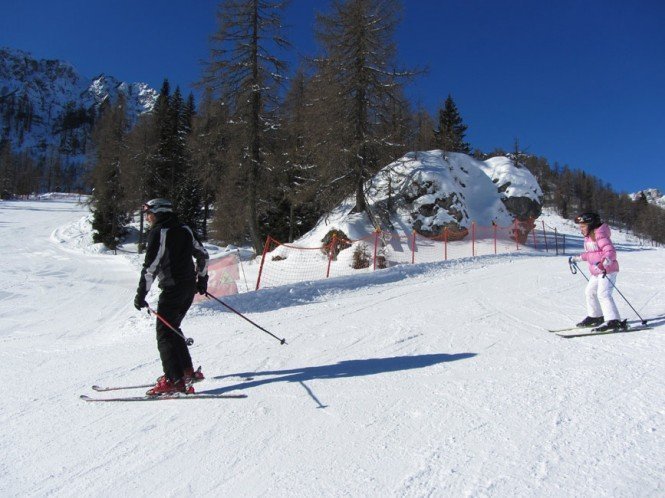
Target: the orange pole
(331, 251)
(263, 258)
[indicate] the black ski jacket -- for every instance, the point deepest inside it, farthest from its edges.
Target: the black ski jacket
(170, 248)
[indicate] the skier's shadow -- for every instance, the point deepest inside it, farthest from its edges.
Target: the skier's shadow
(343, 369)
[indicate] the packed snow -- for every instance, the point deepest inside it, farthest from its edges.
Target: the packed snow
(435, 379)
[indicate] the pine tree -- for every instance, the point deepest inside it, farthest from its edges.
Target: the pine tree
(451, 129)
(159, 179)
(184, 189)
(7, 177)
(109, 206)
(174, 147)
(188, 192)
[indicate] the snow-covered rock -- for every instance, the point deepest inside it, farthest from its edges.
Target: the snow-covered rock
(429, 191)
(519, 190)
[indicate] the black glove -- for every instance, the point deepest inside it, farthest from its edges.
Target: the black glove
(139, 301)
(202, 284)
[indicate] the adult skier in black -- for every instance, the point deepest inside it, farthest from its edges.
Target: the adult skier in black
(171, 248)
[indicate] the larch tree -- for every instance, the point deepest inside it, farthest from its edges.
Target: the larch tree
(247, 74)
(360, 87)
(138, 173)
(208, 145)
(298, 177)
(424, 131)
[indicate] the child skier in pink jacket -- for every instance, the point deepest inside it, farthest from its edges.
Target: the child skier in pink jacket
(601, 257)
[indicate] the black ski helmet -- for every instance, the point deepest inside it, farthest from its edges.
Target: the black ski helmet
(591, 219)
(157, 206)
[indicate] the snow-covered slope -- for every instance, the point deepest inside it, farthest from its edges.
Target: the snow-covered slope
(420, 380)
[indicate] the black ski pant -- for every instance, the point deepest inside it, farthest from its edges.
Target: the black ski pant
(174, 302)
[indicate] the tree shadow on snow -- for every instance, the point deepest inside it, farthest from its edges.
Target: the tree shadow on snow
(341, 370)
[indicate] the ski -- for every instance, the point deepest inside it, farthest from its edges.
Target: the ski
(557, 331)
(629, 322)
(101, 389)
(566, 329)
(163, 397)
(588, 333)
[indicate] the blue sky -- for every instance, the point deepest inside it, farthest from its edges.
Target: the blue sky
(579, 82)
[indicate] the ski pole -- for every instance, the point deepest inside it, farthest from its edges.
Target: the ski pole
(574, 268)
(188, 340)
(644, 322)
(281, 341)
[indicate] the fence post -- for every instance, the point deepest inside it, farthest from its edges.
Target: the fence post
(545, 236)
(495, 228)
(331, 251)
(535, 241)
(445, 244)
(516, 235)
(473, 238)
(556, 241)
(263, 258)
(376, 244)
(413, 248)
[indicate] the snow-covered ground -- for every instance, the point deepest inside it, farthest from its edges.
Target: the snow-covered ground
(437, 379)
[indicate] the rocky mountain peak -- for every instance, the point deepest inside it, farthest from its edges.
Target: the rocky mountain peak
(47, 108)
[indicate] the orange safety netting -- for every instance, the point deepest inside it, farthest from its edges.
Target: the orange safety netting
(283, 264)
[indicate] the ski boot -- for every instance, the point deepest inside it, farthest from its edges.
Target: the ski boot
(591, 321)
(613, 325)
(164, 386)
(192, 376)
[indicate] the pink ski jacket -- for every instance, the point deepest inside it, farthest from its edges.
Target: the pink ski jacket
(599, 251)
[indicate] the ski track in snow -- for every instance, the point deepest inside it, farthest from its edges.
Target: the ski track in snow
(428, 380)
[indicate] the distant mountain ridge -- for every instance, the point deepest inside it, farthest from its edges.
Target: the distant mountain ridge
(47, 108)
(652, 195)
